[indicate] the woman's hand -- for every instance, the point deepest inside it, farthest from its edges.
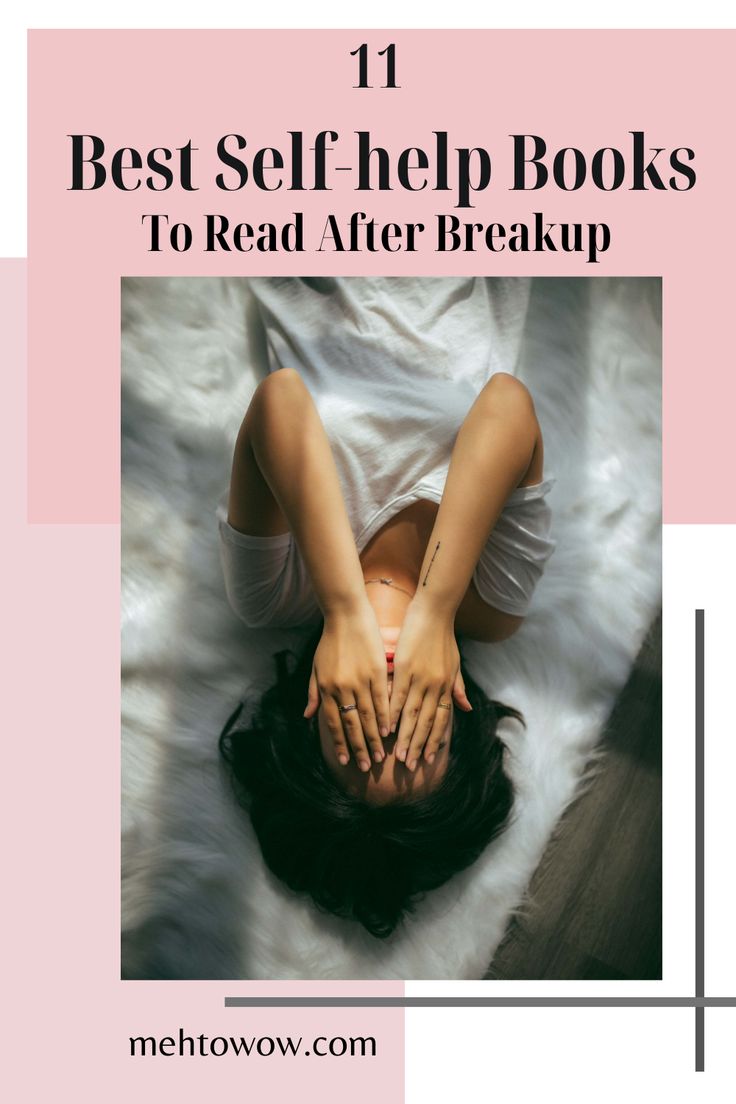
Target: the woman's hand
(426, 675)
(350, 669)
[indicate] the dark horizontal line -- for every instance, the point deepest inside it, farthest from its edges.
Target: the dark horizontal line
(480, 1002)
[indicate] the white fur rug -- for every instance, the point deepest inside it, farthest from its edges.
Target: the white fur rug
(197, 900)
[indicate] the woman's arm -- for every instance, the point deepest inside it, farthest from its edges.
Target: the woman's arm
(284, 478)
(497, 449)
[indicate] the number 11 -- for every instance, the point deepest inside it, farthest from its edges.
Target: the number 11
(362, 52)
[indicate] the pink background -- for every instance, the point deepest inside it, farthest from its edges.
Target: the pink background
(72, 1016)
(162, 88)
(582, 88)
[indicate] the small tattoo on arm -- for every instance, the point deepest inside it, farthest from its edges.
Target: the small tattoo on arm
(430, 563)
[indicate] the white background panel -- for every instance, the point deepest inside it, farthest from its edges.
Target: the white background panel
(539, 1054)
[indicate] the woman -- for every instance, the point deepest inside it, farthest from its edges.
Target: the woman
(387, 484)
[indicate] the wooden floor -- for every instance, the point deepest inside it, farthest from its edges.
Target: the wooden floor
(595, 908)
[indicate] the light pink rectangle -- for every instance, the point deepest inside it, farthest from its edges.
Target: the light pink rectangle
(587, 89)
(72, 1015)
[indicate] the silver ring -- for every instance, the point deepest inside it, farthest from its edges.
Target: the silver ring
(347, 708)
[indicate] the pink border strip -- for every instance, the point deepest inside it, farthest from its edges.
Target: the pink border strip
(72, 1015)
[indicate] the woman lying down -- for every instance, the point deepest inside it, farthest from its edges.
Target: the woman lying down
(387, 489)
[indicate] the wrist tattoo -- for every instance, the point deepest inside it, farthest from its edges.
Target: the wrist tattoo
(430, 563)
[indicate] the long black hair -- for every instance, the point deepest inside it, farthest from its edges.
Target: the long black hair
(362, 861)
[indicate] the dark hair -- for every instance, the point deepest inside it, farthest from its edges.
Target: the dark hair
(358, 860)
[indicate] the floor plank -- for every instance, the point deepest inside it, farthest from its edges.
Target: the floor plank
(595, 902)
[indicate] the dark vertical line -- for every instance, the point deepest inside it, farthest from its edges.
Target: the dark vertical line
(699, 837)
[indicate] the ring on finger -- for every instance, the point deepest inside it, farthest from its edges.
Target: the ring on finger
(444, 705)
(347, 708)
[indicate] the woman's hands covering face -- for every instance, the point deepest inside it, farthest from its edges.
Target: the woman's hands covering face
(426, 676)
(349, 669)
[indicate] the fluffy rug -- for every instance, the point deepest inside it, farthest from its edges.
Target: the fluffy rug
(197, 900)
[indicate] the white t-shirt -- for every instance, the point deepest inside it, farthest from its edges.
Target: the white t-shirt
(393, 365)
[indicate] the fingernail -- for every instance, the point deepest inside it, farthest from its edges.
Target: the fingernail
(384, 731)
(412, 765)
(401, 754)
(364, 764)
(378, 756)
(430, 758)
(343, 760)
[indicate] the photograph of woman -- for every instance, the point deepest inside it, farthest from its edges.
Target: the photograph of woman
(445, 533)
(389, 523)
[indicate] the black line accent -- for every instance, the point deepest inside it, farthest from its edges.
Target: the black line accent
(699, 837)
(481, 1002)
